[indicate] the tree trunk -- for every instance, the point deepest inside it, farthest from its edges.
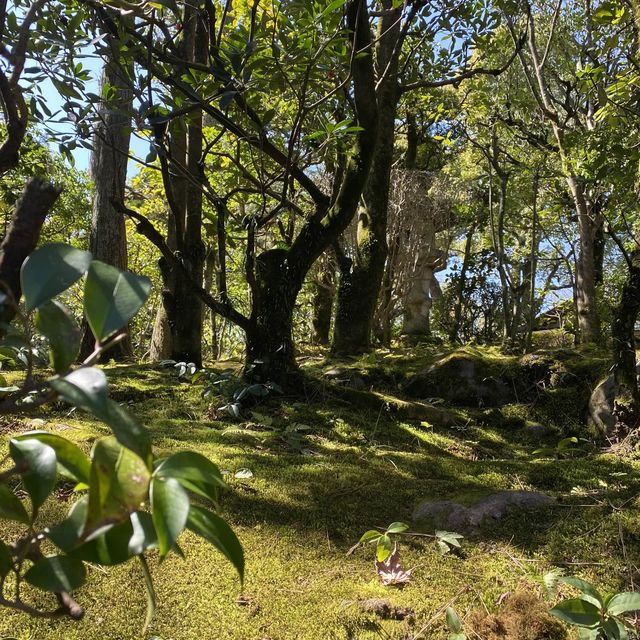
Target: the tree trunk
(624, 345)
(108, 168)
(182, 305)
(359, 287)
(454, 333)
(323, 291)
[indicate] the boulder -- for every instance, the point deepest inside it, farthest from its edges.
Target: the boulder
(451, 516)
(601, 406)
(462, 379)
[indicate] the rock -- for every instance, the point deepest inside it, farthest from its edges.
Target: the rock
(462, 379)
(451, 516)
(536, 431)
(346, 377)
(601, 406)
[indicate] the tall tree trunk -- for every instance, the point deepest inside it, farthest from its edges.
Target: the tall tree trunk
(454, 333)
(181, 303)
(624, 345)
(359, 286)
(108, 169)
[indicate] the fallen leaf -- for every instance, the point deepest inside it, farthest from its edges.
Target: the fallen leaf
(390, 572)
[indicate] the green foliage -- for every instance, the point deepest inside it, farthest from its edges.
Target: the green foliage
(454, 624)
(596, 616)
(128, 503)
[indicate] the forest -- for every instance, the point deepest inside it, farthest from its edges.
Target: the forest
(318, 319)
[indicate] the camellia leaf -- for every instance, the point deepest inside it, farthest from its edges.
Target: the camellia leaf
(85, 388)
(50, 270)
(11, 507)
(623, 602)
(39, 460)
(578, 612)
(71, 459)
(54, 321)
(194, 472)
(57, 573)
(119, 484)
(65, 534)
(169, 508)
(112, 297)
(216, 531)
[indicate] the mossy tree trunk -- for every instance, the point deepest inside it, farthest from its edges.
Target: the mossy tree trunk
(624, 344)
(361, 278)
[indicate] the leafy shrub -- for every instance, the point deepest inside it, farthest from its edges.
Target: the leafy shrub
(128, 501)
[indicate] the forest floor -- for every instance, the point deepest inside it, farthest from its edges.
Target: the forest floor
(323, 471)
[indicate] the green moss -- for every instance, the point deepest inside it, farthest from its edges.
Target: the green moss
(312, 497)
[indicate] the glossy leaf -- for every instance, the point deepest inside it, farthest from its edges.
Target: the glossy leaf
(194, 472)
(370, 536)
(216, 531)
(169, 508)
(383, 548)
(39, 460)
(85, 388)
(73, 462)
(112, 297)
(119, 484)
(57, 573)
(50, 270)
(54, 321)
(11, 507)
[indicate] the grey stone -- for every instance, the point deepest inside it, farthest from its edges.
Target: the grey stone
(601, 406)
(451, 516)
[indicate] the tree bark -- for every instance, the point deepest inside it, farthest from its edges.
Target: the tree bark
(624, 344)
(359, 286)
(108, 170)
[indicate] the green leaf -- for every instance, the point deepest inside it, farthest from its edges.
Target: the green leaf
(588, 634)
(39, 460)
(11, 507)
(169, 508)
(614, 629)
(66, 533)
(85, 388)
(453, 620)
(397, 527)
(578, 612)
(71, 459)
(370, 536)
(50, 270)
(57, 573)
(119, 484)
(6, 560)
(383, 548)
(194, 472)
(623, 602)
(216, 531)
(112, 297)
(591, 594)
(54, 321)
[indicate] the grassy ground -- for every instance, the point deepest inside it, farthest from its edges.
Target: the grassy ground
(323, 473)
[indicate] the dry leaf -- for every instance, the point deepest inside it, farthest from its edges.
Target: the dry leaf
(390, 572)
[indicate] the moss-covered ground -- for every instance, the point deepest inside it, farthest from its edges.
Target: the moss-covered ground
(323, 473)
